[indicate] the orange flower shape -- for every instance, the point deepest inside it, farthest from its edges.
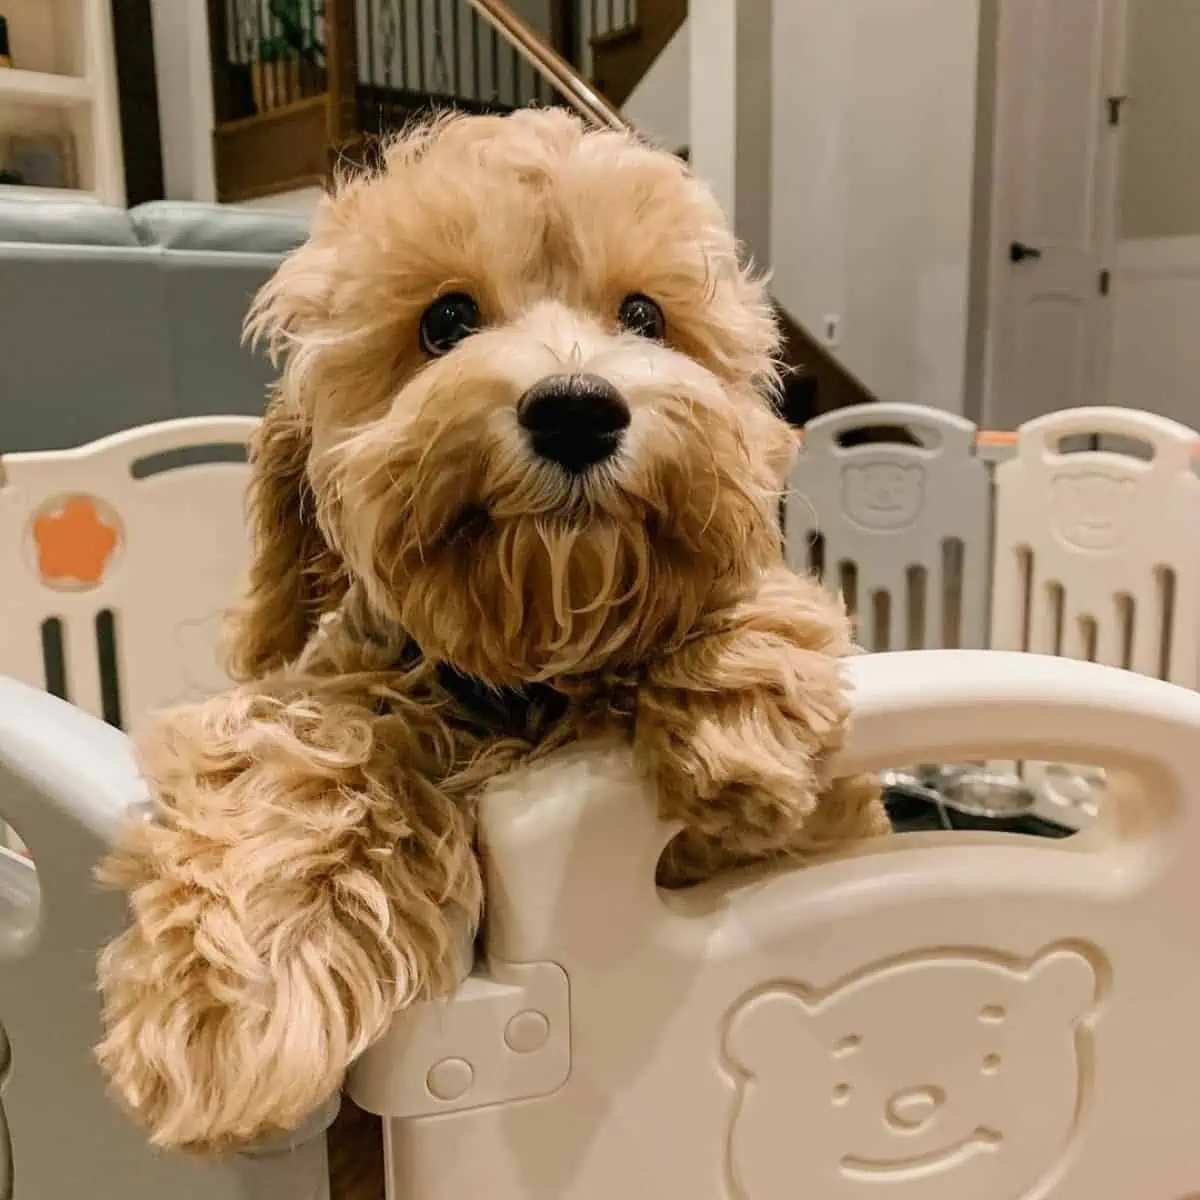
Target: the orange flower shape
(74, 543)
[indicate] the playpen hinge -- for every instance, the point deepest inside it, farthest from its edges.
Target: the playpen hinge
(504, 1036)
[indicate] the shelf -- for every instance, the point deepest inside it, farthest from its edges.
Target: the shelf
(40, 87)
(42, 195)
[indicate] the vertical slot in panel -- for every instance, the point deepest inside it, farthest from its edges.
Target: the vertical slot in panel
(1126, 614)
(1089, 637)
(916, 606)
(816, 555)
(953, 559)
(1056, 599)
(1164, 579)
(108, 660)
(1025, 597)
(881, 621)
(848, 586)
(54, 658)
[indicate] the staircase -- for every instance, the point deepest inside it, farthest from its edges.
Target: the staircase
(299, 85)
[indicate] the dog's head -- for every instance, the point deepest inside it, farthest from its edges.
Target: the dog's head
(525, 405)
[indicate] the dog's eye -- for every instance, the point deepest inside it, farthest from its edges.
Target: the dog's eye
(639, 314)
(447, 321)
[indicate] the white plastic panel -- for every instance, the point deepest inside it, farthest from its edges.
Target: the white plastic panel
(142, 534)
(945, 1016)
(66, 780)
(901, 529)
(1097, 552)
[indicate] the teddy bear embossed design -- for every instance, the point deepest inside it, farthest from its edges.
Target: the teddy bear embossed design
(936, 1076)
(1092, 510)
(75, 539)
(883, 496)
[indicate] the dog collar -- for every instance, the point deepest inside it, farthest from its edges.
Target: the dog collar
(514, 710)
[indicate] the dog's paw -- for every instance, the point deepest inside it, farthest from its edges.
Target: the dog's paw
(206, 1059)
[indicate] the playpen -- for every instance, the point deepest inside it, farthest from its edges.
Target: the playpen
(946, 1015)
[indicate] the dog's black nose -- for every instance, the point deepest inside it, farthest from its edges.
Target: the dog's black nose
(574, 420)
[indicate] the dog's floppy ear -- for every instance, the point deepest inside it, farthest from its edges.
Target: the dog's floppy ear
(294, 575)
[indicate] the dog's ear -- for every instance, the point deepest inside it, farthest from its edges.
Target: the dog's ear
(294, 576)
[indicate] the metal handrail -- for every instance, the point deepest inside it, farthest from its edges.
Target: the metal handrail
(549, 64)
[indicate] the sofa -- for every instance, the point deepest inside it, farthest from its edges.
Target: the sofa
(111, 318)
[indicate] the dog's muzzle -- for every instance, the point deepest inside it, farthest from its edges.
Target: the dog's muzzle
(575, 421)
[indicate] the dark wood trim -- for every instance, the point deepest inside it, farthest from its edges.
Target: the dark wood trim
(815, 382)
(341, 62)
(272, 152)
(137, 101)
(218, 40)
(565, 31)
(621, 58)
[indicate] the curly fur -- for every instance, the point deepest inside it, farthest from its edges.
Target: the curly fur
(312, 867)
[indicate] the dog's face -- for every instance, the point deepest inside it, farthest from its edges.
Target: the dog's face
(525, 403)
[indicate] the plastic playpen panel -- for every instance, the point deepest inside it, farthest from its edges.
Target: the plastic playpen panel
(1098, 553)
(130, 549)
(66, 779)
(902, 530)
(932, 1019)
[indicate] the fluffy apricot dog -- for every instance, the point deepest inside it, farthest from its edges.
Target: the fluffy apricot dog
(517, 486)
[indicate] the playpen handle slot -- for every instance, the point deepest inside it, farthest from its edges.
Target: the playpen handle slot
(960, 705)
(1174, 444)
(955, 435)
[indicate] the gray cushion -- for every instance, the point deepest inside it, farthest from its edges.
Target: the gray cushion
(64, 223)
(181, 225)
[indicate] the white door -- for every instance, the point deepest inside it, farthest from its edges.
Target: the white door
(1060, 66)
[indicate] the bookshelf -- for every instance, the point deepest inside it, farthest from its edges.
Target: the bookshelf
(60, 131)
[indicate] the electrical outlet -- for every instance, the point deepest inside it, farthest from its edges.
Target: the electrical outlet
(833, 330)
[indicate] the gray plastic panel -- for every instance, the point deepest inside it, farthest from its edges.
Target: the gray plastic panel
(903, 530)
(66, 779)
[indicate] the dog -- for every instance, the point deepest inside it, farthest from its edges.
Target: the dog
(516, 486)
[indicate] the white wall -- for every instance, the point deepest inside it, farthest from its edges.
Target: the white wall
(1160, 150)
(873, 159)
(185, 109)
(660, 105)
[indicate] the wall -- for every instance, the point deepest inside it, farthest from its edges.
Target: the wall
(184, 98)
(873, 162)
(1160, 192)
(660, 106)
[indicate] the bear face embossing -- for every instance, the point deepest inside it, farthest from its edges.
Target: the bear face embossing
(934, 1077)
(1092, 510)
(883, 496)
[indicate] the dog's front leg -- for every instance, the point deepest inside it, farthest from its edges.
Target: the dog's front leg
(299, 883)
(735, 729)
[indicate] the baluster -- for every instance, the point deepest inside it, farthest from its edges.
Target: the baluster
(516, 78)
(422, 87)
(372, 61)
(495, 66)
(456, 59)
(341, 67)
(476, 73)
(406, 74)
(440, 79)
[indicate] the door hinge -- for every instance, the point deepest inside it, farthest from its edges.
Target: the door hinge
(1105, 282)
(1115, 105)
